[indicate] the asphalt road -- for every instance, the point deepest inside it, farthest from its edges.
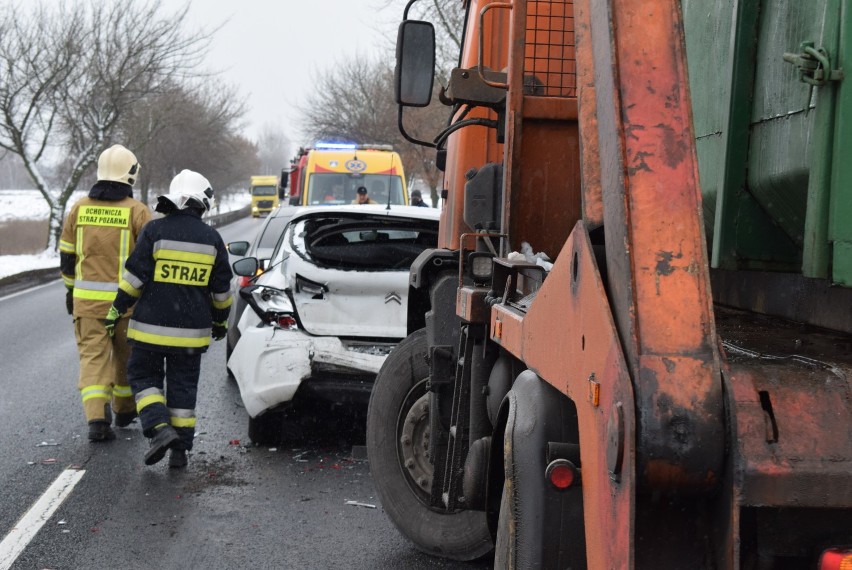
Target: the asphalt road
(235, 506)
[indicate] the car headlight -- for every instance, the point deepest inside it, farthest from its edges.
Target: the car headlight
(272, 305)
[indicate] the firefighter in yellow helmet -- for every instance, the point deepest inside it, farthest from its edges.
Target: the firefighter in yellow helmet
(180, 282)
(99, 233)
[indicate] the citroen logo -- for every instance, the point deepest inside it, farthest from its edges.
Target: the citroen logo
(393, 296)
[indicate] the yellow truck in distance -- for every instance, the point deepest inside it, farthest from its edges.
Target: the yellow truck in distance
(264, 194)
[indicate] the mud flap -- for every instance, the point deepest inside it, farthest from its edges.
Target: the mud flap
(539, 526)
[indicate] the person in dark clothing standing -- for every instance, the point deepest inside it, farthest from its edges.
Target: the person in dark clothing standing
(178, 277)
(417, 199)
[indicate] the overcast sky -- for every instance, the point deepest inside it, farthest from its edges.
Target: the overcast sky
(273, 48)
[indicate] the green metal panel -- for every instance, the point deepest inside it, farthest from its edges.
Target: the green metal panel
(840, 224)
(817, 250)
(734, 201)
(769, 145)
(707, 57)
(779, 160)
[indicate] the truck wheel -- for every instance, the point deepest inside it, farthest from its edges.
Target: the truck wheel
(397, 437)
(532, 513)
(502, 548)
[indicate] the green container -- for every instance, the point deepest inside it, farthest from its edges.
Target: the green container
(774, 133)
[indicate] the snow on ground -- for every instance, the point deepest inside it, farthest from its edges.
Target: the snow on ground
(30, 205)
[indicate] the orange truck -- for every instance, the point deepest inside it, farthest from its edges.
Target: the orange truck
(331, 173)
(632, 347)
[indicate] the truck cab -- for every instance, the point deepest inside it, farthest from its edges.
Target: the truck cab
(264, 194)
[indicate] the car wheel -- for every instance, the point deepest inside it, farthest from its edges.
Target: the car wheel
(397, 413)
(266, 429)
(228, 351)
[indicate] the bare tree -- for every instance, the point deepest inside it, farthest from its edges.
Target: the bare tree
(72, 70)
(354, 102)
(448, 18)
(190, 126)
(273, 148)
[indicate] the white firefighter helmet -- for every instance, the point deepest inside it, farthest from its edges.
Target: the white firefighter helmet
(118, 165)
(189, 189)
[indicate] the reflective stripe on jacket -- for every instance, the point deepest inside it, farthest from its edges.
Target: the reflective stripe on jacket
(179, 279)
(99, 233)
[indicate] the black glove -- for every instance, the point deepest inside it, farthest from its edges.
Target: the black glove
(69, 300)
(112, 317)
(219, 330)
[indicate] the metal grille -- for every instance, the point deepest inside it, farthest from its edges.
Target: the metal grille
(550, 65)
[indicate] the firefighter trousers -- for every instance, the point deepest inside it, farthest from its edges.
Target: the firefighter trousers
(165, 386)
(103, 368)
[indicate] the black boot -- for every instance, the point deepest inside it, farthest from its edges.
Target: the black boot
(99, 430)
(177, 458)
(124, 419)
(163, 439)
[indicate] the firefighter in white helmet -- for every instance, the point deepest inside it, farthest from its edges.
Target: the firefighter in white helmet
(179, 280)
(98, 234)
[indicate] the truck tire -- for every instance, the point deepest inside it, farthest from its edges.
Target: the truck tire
(400, 384)
(538, 527)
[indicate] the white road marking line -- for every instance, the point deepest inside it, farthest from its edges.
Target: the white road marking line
(29, 290)
(26, 528)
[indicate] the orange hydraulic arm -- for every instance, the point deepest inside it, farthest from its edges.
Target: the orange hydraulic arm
(636, 354)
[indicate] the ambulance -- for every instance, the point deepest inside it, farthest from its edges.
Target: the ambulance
(332, 174)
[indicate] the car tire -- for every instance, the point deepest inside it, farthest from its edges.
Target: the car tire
(266, 429)
(228, 351)
(462, 535)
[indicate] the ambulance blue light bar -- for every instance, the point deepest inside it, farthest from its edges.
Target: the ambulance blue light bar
(336, 146)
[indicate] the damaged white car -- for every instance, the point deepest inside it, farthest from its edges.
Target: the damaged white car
(328, 309)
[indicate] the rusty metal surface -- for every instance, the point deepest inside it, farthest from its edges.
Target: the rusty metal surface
(588, 121)
(657, 260)
(790, 397)
(542, 165)
(568, 338)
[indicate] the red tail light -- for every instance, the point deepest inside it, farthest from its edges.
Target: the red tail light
(836, 559)
(286, 321)
(561, 473)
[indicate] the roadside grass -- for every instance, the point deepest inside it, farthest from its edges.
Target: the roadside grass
(23, 237)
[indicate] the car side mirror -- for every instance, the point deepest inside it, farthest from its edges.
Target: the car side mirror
(415, 63)
(246, 267)
(238, 247)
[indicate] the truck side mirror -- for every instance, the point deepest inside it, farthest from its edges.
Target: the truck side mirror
(285, 178)
(415, 63)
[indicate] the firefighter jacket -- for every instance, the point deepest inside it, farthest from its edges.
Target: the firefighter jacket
(179, 278)
(99, 233)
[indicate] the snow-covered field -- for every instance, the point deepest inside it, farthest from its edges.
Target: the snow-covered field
(29, 205)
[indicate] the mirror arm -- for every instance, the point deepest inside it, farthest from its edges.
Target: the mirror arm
(407, 7)
(402, 130)
(441, 138)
